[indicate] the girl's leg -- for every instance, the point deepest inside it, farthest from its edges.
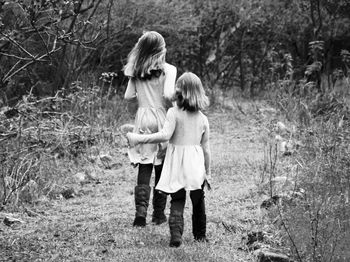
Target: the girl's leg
(199, 219)
(176, 220)
(158, 172)
(144, 174)
(142, 194)
(159, 199)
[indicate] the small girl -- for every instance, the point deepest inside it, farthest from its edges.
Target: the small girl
(187, 159)
(152, 84)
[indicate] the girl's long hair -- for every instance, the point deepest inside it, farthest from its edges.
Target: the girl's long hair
(147, 58)
(190, 94)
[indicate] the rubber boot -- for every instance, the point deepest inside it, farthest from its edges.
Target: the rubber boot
(199, 218)
(176, 220)
(142, 194)
(159, 203)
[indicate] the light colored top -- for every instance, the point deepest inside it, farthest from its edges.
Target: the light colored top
(187, 159)
(150, 116)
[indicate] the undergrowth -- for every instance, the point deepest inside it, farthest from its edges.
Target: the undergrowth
(42, 139)
(316, 221)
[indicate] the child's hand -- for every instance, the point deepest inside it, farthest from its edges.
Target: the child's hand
(131, 139)
(126, 128)
(208, 181)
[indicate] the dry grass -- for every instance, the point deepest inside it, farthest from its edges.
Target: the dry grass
(96, 225)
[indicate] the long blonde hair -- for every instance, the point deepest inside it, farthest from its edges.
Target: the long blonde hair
(147, 56)
(190, 94)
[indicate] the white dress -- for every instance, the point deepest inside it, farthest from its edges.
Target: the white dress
(151, 112)
(184, 165)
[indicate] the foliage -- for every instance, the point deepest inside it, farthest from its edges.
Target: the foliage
(315, 221)
(325, 178)
(37, 134)
(316, 224)
(47, 45)
(43, 45)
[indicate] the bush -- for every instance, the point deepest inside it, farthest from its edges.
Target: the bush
(41, 138)
(319, 224)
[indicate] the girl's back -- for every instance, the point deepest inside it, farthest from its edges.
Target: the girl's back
(151, 111)
(150, 92)
(190, 127)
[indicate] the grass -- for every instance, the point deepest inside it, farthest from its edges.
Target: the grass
(96, 225)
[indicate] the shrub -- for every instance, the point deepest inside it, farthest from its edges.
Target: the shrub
(41, 138)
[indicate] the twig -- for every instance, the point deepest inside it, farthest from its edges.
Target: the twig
(42, 40)
(11, 70)
(7, 77)
(17, 57)
(239, 107)
(288, 233)
(18, 45)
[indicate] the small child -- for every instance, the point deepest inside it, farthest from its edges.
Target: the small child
(187, 159)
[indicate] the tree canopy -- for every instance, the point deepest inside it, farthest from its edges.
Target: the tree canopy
(47, 45)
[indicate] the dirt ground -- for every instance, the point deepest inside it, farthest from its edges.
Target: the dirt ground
(96, 224)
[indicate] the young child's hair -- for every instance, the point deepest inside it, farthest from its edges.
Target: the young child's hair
(147, 58)
(190, 94)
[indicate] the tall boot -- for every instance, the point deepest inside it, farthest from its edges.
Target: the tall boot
(199, 218)
(176, 220)
(159, 203)
(199, 227)
(159, 199)
(142, 194)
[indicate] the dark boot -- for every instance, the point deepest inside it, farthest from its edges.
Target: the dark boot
(176, 225)
(199, 228)
(199, 219)
(176, 220)
(142, 194)
(159, 199)
(159, 203)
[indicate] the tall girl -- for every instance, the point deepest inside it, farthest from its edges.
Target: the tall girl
(187, 160)
(152, 83)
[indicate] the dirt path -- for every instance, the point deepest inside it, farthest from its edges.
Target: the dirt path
(96, 225)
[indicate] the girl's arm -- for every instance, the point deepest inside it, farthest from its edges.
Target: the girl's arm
(163, 135)
(130, 92)
(206, 149)
(169, 83)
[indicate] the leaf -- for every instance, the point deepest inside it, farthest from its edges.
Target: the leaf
(212, 56)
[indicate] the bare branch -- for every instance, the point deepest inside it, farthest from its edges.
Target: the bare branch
(64, 17)
(17, 44)
(109, 17)
(10, 71)
(17, 57)
(42, 40)
(39, 59)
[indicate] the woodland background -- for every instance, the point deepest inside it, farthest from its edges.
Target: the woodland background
(48, 45)
(61, 88)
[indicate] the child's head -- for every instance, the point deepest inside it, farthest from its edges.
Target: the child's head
(147, 55)
(190, 94)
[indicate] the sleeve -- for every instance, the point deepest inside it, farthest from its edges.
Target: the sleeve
(206, 147)
(130, 92)
(163, 135)
(169, 83)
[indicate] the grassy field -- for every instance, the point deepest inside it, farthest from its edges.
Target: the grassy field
(96, 225)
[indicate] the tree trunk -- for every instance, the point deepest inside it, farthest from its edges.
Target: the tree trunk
(241, 62)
